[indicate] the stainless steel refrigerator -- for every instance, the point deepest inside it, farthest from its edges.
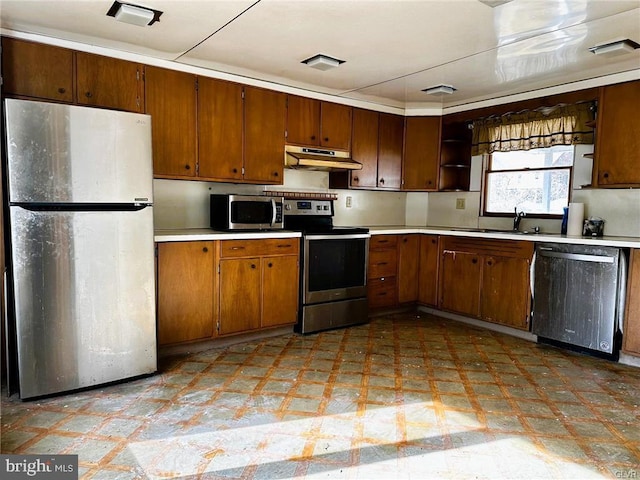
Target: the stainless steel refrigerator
(81, 267)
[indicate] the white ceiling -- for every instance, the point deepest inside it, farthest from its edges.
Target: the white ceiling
(392, 48)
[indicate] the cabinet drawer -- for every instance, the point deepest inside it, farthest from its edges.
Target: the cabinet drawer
(383, 241)
(382, 263)
(382, 292)
(505, 248)
(252, 248)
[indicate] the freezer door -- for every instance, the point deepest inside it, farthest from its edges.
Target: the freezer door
(84, 298)
(69, 154)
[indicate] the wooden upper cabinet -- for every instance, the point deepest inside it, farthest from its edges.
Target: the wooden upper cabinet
(37, 70)
(617, 150)
(264, 130)
(303, 120)
(390, 138)
(421, 153)
(109, 82)
(186, 291)
(171, 101)
(365, 148)
(335, 125)
(311, 122)
(220, 126)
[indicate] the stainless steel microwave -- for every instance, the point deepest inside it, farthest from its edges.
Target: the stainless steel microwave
(246, 212)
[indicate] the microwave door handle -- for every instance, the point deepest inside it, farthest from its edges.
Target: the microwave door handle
(273, 212)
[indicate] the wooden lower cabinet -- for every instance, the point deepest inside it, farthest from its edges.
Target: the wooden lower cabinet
(408, 268)
(460, 276)
(382, 269)
(186, 291)
(486, 279)
(428, 270)
(258, 284)
(631, 334)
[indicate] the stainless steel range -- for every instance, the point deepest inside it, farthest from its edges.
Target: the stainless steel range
(333, 280)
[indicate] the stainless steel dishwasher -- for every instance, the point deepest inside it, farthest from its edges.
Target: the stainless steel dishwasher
(578, 295)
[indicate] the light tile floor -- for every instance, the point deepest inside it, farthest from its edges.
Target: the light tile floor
(405, 396)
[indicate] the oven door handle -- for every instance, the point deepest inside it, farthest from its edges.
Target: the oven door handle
(351, 236)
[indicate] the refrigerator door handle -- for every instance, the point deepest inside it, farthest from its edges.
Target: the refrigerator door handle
(81, 207)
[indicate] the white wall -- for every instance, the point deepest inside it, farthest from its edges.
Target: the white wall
(185, 204)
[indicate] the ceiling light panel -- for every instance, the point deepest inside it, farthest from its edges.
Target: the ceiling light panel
(614, 49)
(322, 62)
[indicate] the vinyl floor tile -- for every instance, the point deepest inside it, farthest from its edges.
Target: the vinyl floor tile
(407, 396)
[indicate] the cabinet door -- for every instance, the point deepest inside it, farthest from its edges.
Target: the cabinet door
(109, 82)
(240, 294)
(335, 124)
(37, 70)
(428, 282)
(421, 160)
(265, 114)
(365, 148)
(460, 282)
(618, 135)
(631, 336)
(390, 135)
(185, 291)
(408, 265)
(279, 290)
(505, 296)
(303, 120)
(220, 124)
(171, 101)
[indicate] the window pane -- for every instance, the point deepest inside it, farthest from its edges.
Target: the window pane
(543, 192)
(558, 156)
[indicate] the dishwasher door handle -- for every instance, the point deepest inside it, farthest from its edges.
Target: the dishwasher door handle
(577, 256)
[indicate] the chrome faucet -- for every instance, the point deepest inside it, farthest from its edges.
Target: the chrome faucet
(518, 218)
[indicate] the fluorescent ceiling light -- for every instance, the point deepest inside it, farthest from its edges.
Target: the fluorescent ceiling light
(440, 90)
(494, 3)
(322, 62)
(613, 49)
(134, 14)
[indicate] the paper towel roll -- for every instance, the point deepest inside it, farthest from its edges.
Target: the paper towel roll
(576, 219)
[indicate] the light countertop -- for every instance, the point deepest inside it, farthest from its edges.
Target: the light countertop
(201, 234)
(606, 241)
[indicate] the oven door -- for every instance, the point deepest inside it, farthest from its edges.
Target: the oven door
(335, 267)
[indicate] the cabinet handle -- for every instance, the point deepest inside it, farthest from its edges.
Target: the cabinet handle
(205, 249)
(253, 265)
(88, 94)
(313, 137)
(270, 264)
(382, 181)
(356, 179)
(326, 139)
(489, 263)
(237, 248)
(284, 245)
(382, 279)
(235, 170)
(605, 175)
(475, 260)
(382, 294)
(429, 182)
(187, 167)
(405, 240)
(62, 90)
(275, 174)
(433, 241)
(382, 263)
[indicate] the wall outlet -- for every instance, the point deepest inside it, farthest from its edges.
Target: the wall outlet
(349, 202)
(460, 203)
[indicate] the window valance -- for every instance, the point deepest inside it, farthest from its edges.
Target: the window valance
(540, 128)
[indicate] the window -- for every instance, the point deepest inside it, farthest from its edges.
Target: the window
(537, 181)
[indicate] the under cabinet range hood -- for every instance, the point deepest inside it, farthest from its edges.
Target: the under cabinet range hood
(312, 158)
